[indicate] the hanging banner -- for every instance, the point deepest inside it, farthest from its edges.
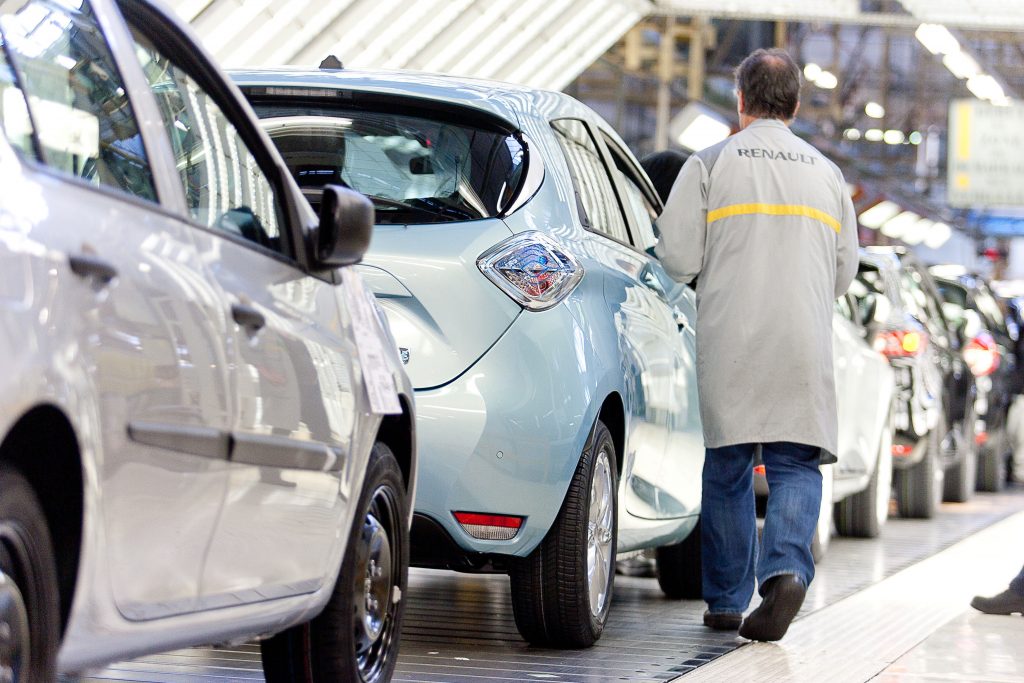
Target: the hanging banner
(985, 154)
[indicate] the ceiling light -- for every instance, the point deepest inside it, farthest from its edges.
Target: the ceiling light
(878, 214)
(826, 80)
(986, 87)
(874, 110)
(851, 134)
(916, 138)
(895, 227)
(697, 126)
(937, 236)
(812, 71)
(874, 134)
(894, 137)
(917, 232)
(937, 39)
(961, 65)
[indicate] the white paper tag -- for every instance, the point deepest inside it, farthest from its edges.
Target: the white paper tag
(380, 385)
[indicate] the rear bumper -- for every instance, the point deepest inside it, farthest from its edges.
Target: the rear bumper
(505, 437)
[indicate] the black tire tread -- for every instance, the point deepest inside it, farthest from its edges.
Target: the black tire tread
(20, 506)
(680, 574)
(550, 600)
(916, 497)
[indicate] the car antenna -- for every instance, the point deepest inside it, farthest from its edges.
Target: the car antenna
(331, 62)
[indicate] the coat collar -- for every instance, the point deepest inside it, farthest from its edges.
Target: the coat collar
(768, 123)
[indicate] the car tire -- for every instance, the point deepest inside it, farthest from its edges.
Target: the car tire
(29, 593)
(919, 488)
(961, 478)
(823, 531)
(863, 514)
(992, 466)
(679, 568)
(561, 592)
(356, 637)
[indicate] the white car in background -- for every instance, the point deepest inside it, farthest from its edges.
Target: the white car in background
(206, 434)
(856, 489)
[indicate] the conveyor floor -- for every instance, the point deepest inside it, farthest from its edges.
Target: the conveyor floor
(459, 628)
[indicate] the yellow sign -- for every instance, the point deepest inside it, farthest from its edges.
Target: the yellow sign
(986, 154)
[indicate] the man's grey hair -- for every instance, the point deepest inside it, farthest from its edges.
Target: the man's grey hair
(770, 83)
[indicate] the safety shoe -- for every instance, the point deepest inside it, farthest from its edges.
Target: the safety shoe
(783, 596)
(1007, 602)
(723, 621)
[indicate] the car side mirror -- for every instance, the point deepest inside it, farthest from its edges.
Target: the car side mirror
(346, 224)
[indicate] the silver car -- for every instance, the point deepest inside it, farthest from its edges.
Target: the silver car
(206, 435)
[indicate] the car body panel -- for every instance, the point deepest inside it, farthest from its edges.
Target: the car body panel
(143, 368)
(534, 395)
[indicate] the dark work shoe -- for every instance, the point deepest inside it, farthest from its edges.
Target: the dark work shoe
(1007, 602)
(783, 596)
(723, 621)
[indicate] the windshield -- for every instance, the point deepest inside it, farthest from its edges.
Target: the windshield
(415, 170)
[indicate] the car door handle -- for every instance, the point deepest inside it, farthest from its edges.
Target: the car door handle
(89, 266)
(248, 317)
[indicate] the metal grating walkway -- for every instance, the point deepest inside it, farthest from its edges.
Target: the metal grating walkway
(459, 628)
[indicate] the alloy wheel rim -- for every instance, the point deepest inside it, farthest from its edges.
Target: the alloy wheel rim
(376, 585)
(600, 532)
(15, 632)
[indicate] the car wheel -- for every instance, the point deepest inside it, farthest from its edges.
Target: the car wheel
(679, 568)
(823, 532)
(960, 479)
(919, 488)
(863, 514)
(992, 467)
(29, 598)
(356, 636)
(562, 591)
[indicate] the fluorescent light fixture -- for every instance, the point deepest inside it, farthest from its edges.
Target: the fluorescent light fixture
(812, 71)
(937, 39)
(702, 132)
(985, 87)
(826, 80)
(851, 134)
(878, 214)
(874, 134)
(961, 65)
(916, 137)
(894, 137)
(697, 126)
(917, 232)
(874, 110)
(895, 227)
(938, 235)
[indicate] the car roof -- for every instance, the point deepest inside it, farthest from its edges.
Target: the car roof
(506, 100)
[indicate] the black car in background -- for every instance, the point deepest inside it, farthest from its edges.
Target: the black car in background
(990, 351)
(934, 452)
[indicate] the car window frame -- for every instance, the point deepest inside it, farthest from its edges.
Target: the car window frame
(38, 164)
(631, 174)
(167, 36)
(588, 225)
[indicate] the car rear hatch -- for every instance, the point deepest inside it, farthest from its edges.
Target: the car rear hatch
(440, 178)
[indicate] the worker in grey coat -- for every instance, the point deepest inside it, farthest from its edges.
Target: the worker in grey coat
(767, 223)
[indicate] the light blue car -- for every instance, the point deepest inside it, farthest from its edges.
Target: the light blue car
(552, 357)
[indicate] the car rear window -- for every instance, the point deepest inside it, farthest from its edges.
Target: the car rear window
(415, 169)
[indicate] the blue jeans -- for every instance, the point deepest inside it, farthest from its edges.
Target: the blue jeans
(729, 525)
(1017, 585)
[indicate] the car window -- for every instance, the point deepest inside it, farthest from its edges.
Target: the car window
(225, 188)
(596, 193)
(989, 308)
(83, 116)
(14, 119)
(417, 169)
(635, 202)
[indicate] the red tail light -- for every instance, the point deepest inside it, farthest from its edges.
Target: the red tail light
(489, 527)
(759, 469)
(981, 355)
(901, 343)
(901, 450)
(981, 438)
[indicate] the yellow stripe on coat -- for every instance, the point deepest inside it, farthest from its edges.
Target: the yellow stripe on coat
(774, 210)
